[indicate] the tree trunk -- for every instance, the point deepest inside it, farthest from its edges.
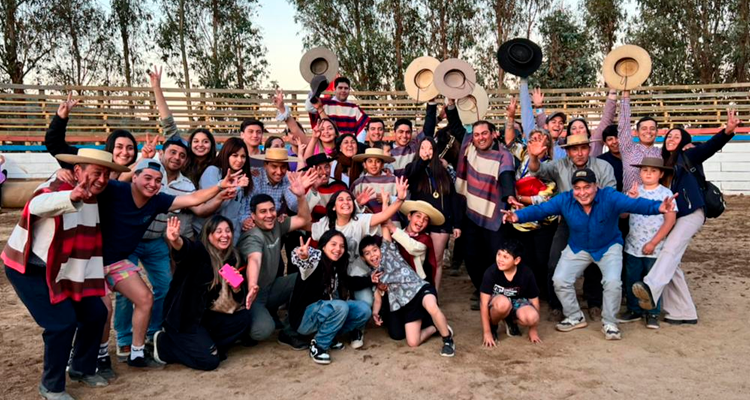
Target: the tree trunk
(398, 41)
(216, 23)
(13, 66)
(183, 52)
(743, 44)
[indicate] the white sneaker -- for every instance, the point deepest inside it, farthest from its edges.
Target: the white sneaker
(358, 339)
(611, 332)
(569, 324)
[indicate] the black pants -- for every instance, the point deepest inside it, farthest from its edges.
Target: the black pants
(536, 248)
(480, 248)
(395, 322)
(592, 276)
(204, 347)
(61, 322)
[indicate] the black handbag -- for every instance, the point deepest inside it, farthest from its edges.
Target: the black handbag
(714, 199)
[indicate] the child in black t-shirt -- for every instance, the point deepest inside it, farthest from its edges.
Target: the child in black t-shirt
(509, 292)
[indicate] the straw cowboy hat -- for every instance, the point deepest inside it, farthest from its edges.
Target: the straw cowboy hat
(418, 79)
(656, 162)
(520, 57)
(626, 67)
(374, 153)
(92, 156)
(275, 155)
(575, 140)
(409, 206)
(319, 61)
(473, 107)
(455, 78)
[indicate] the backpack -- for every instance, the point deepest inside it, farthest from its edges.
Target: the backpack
(714, 199)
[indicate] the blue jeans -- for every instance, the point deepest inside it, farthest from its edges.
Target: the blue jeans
(365, 295)
(268, 301)
(328, 318)
(636, 268)
(154, 255)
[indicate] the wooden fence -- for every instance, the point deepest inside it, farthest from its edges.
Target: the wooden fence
(25, 116)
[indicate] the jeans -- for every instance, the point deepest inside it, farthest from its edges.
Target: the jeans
(592, 277)
(365, 295)
(635, 269)
(571, 267)
(154, 255)
(269, 299)
(68, 324)
(328, 318)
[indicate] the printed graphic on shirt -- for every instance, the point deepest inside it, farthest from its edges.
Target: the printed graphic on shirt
(506, 291)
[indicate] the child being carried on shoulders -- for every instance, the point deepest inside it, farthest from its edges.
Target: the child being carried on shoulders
(509, 292)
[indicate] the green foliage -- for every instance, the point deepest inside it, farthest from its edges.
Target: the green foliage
(132, 21)
(604, 19)
(26, 37)
(568, 53)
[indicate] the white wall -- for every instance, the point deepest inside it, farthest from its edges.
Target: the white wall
(729, 169)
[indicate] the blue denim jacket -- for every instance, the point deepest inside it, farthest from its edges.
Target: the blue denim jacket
(597, 231)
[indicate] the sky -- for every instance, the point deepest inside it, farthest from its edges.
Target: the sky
(283, 40)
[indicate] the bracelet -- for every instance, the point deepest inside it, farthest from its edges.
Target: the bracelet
(281, 117)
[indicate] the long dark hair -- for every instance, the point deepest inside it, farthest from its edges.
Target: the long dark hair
(109, 146)
(670, 157)
(195, 166)
(234, 145)
(219, 257)
(440, 175)
(330, 267)
(331, 213)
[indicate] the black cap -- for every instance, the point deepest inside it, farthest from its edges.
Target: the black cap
(315, 160)
(176, 140)
(558, 114)
(585, 175)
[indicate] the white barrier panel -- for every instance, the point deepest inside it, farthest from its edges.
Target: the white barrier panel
(729, 169)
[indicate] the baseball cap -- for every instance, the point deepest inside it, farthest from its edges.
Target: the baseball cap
(176, 140)
(585, 175)
(558, 114)
(150, 163)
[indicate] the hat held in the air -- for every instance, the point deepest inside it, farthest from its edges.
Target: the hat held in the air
(520, 57)
(418, 79)
(319, 61)
(626, 67)
(473, 107)
(455, 78)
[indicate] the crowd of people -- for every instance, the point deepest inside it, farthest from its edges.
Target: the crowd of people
(346, 232)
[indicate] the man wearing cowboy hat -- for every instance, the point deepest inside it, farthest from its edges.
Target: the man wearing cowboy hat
(273, 180)
(61, 283)
(348, 117)
(593, 215)
(561, 171)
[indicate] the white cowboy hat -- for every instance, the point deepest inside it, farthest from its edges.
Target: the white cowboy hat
(473, 107)
(275, 155)
(409, 206)
(373, 153)
(455, 78)
(626, 67)
(319, 61)
(92, 156)
(418, 79)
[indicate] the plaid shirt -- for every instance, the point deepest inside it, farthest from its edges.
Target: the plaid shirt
(277, 192)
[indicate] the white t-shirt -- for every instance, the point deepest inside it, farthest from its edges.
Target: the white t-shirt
(353, 231)
(644, 227)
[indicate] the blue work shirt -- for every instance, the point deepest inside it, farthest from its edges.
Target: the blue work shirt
(596, 231)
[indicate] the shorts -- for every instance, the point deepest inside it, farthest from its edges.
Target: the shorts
(119, 271)
(516, 303)
(413, 311)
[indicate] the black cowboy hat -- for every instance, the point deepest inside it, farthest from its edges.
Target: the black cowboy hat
(318, 85)
(520, 57)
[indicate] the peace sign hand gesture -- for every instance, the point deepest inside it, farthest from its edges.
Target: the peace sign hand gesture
(303, 251)
(64, 109)
(81, 190)
(155, 77)
(668, 204)
(149, 148)
(510, 110)
(633, 192)
(278, 100)
(732, 121)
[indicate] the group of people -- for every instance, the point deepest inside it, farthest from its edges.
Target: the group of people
(341, 227)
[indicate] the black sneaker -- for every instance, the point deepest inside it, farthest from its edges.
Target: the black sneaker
(294, 342)
(628, 316)
(671, 321)
(104, 368)
(358, 339)
(652, 321)
(90, 380)
(147, 361)
(319, 355)
(643, 293)
(511, 328)
(449, 348)
(337, 345)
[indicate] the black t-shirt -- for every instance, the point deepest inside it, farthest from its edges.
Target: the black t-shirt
(522, 286)
(616, 164)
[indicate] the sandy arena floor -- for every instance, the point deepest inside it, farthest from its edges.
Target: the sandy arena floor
(707, 361)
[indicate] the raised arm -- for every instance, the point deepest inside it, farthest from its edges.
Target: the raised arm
(54, 138)
(430, 119)
(161, 103)
(510, 118)
(706, 150)
(204, 195)
(527, 112)
(299, 183)
(608, 115)
(402, 186)
(283, 113)
(624, 130)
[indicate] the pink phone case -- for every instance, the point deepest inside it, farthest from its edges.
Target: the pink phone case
(231, 275)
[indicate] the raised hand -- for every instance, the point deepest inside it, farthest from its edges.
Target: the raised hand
(278, 100)
(537, 97)
(402, 187)
(228, 194)
(231, 179)
(149, 147)
(173, 229)
(385, 198)
(633, 192)
(81, 190)
(316, 131)
(155, 77)
(303, 251)
(536, 148)
(510, 110)
(300, 182)
(732, 121)
(63, 111)
(365, 196)
(668, 204)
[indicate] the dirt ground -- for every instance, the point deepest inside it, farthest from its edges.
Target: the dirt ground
(707, 361)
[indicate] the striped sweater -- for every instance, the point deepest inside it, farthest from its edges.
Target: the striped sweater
(348, 117)
(65, 236)
(485, 178)
(405, 155)
(378, 183)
